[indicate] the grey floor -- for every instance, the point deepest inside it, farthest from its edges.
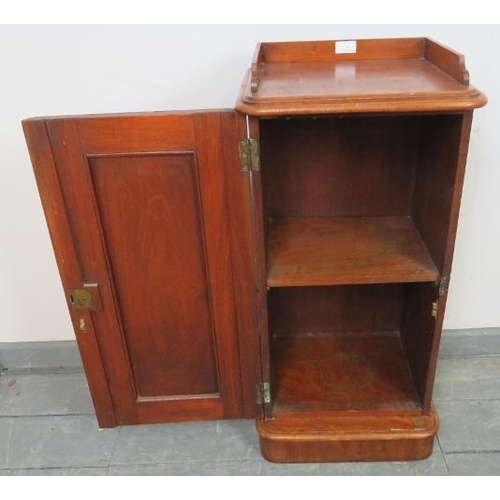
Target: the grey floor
(47, 427)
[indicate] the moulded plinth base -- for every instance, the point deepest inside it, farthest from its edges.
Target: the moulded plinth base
(344, 438)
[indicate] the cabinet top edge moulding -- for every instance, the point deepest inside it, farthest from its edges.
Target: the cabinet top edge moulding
(410, 75)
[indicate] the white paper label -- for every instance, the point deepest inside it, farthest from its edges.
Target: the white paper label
(345, 47)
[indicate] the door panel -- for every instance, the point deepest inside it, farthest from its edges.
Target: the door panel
(145, 199)
(150, 215)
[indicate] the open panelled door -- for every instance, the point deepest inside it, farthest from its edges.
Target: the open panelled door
(138, 208)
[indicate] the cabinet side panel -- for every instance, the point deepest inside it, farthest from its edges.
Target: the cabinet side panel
(436, 206)
(418, 334)
(438, 183)
(149, 210)
(62, 241)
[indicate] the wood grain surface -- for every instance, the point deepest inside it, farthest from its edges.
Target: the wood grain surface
(342, 372)
(386, 75)
(145, 199)
(348, 438)
(339, 166)
(346, 250)
(319, 309)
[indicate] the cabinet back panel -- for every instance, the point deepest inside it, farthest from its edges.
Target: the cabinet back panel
(338, 166)
(327, 309)
(155, 250)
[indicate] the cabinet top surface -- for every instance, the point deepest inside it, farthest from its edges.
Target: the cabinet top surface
(385, 75)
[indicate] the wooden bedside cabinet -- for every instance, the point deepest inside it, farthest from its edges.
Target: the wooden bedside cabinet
(287, 261)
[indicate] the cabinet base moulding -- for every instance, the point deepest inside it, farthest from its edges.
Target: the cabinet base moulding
(345, 439)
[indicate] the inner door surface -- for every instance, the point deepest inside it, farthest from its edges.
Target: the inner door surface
(136, 205)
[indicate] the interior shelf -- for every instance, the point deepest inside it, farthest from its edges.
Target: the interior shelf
(313, 251)
(342, 372)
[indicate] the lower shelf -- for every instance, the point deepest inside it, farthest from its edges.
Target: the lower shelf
(342, 372)
(345, 439)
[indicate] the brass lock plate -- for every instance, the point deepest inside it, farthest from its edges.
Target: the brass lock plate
(84, 298)
(80, 298)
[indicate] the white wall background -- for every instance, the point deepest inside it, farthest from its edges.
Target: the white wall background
(57, 70)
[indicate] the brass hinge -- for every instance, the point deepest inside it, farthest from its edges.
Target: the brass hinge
(434, 310)
(444, 284)
(84, 298)
(249, 155)
(263, 390)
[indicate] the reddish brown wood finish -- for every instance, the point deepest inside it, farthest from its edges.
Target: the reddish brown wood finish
(137, 191)
(443, 142)
(320, 309)
(255, 68)
(324, 51)
(347, 438)
(418, 334)
(326, 180)
(351, 250)
(339, 166)
(442, 164)
(342, 372)
(351, 222)
(260, 232)
(398, 75)
(244, 247)
(143, 199)
(62, 241)
(447, 59)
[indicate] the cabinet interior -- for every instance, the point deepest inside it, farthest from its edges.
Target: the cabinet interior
(356, 215)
